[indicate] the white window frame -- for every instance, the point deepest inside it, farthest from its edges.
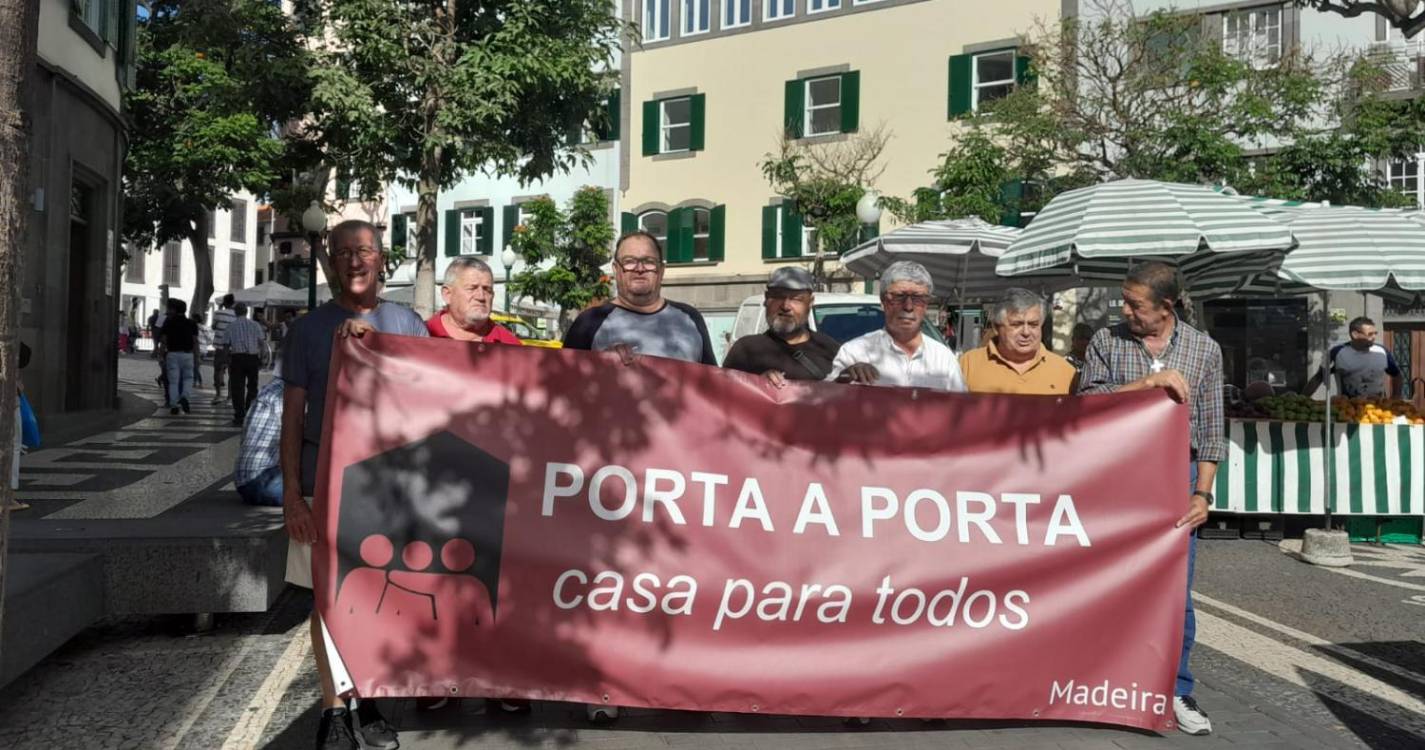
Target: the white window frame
(91, 12)
(1254, 44)
(412, 236)
(137, 266)
(655, 14)
(976, 84)
(809, 108)
(732, 15)
(239, 255)
(172, 251)
(471, 226)
(664, 126)
(706, 237)
(663, 240)
(771, 12)
(826, 5)
(693, 18)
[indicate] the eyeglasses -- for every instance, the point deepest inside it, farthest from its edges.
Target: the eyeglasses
(634, 264)
(899, 299)
(365, 252)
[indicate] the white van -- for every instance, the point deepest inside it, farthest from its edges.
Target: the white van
(840, 316)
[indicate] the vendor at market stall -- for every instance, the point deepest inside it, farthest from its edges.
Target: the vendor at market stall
(1363, 368)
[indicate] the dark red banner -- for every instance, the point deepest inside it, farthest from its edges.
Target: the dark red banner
(556, 525)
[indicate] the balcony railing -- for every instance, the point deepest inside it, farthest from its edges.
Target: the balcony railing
(1402, 63)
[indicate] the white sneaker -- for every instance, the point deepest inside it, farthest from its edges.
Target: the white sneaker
(1191, 719)
(600, 714)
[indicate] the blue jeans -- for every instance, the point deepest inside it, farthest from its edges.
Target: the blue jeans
(180, 376)
(1185, 681)
(263, 489)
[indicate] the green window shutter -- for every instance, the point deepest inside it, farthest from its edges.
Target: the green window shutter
(343, 185)
(511, 217)
(961, 73)
(1023, 71)
(650, 128)
(791, 230)
(680, 235)
(628, 223)
(795, 108)
(717, 234)
(485, 245)
(398, 231)
(452, 233)
(1010, 195)
(611, 111)
(850, 101)
(769, 231)
(699, 111)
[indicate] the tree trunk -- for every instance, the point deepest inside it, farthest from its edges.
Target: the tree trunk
(19, 27)
(202, 266)
(426, 235)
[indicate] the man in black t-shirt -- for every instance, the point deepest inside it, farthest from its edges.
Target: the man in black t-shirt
(789, 349)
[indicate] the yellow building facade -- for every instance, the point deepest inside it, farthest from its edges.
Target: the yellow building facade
(707, 94)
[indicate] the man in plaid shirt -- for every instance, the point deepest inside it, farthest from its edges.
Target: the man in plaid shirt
(1153, 348)
(258, 475)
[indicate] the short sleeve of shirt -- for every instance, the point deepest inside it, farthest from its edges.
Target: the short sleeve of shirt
(295, 364)
(502, 335)
(1391, 367)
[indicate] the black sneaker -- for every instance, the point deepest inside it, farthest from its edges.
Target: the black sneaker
(173, 410)
(183, 402)
(334, 731)
(372, 730)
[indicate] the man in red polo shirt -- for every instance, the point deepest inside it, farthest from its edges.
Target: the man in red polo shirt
(468, 291)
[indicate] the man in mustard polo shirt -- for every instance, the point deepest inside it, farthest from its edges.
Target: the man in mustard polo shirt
(1015, 360)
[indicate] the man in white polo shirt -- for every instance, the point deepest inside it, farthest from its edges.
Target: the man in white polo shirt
(900, 354)
(1363, 368)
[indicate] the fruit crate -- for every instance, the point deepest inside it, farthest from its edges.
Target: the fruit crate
(1221, 526)
(1269, 528)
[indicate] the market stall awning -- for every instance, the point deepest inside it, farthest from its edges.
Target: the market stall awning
(1101, 230)
(959, 253)
(271, 294)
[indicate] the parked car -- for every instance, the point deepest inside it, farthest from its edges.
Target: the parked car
(840, 316)
(526, 333)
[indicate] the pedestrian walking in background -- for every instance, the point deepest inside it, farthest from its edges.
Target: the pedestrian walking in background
(27, 430)
(222, 318)
(1154, 348)
(246, 343)
(178, 340)
(1079, 344)
(205, 342)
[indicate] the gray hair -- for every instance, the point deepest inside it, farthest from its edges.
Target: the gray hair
(354, 225)
(1015, 299)
(907, 270)
(465, 263)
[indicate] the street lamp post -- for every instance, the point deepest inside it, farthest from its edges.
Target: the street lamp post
(508, 257)
(868, 212)
(314, 222)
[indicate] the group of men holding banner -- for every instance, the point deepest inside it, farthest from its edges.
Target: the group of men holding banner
(1151, 349)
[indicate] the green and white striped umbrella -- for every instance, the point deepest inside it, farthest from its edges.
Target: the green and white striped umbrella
(960, 255)
(1101, 230)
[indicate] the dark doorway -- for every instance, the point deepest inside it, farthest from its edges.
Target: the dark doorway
(78, 333)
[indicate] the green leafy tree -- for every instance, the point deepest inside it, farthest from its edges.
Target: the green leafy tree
(422, 93)
(215, 81)
(1149, 97)
(564, 252)
(826, 180)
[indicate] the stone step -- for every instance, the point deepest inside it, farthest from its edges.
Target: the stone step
(49, 598)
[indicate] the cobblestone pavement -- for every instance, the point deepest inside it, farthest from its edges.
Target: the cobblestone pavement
(1288, 656)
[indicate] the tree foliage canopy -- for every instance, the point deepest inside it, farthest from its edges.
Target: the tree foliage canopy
(215, 81)
(564, 252)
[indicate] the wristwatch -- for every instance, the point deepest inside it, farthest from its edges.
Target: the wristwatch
(1204, 495)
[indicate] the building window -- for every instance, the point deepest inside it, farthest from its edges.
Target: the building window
(697, 17)
(676, 124)
(173, 263)
(736, 13)
(1403, 174)
(656, 224)
(823, 109)
(237, 270)
(993, 77)
(702, 232)
(1254, 36)
(472, 232)
(134, 269)
(817, 6)
(237, 228)
(655, 20)
(780, 9)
